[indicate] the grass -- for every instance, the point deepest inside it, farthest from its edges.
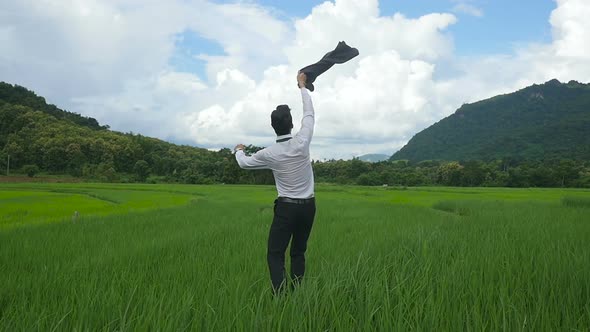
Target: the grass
(576, 201)
(193, 258)
(24, 204)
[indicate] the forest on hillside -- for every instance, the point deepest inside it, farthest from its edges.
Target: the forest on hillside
(550, 121)
(38, 139)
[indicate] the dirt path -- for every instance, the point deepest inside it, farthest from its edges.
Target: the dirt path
(19, 178)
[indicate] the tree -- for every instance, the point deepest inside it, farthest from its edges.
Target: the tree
(16, 154)
(542, 176)
(450, 174)
(106, 172)
(75, 159)
(567, 172)
(3, 162)
(369, 179)
(55, 157)
(141, 170)
(473, 173)
(30, 170)
(357, 167)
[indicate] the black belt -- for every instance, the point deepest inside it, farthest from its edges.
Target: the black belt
(296, 200)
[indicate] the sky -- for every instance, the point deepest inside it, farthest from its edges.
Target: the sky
(208, 73)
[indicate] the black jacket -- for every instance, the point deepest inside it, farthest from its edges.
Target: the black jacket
(341, 54)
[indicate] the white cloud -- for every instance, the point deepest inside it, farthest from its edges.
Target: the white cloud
(110, 60)
(571, 28)
(467, 8)
(86, 47)
(250, 36)
(378, 98)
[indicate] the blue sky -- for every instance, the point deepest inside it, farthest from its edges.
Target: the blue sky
(503, 25)
(188, 45)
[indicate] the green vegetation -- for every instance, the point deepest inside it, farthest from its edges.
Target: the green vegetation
(576, 201)
(18, 95)
(42, 141)
(30, 170)
(541, 122)
(497, 173)
(178, 257)
(33, 133)
(23, 204)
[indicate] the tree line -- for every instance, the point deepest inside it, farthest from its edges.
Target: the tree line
(497, 173)
(53, 142)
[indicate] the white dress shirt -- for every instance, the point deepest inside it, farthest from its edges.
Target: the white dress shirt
(290, 160)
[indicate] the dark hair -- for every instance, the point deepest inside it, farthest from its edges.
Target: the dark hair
(281, 120)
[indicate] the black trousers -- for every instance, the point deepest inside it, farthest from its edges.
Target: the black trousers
(291, 223)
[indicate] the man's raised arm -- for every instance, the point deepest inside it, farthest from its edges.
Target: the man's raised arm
(307, 122)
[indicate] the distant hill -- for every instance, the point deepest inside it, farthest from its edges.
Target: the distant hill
(18, 95)
(43, 137)
(374, 158)
(540, 122)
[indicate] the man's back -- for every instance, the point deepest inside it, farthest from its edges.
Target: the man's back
(289, 158)
(291, 167)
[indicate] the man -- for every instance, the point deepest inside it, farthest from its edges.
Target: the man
(294, 209)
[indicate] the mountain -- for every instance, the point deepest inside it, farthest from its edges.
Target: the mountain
(373, 158)
(540, 122)
(18, 95)
(40, 136)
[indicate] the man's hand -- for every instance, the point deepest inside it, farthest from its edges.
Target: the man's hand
(239, 147)
(301, 79)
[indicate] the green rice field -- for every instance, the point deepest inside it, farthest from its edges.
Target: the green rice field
(106, 257)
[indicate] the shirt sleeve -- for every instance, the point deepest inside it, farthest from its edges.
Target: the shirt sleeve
(256, 161)
(307, 122)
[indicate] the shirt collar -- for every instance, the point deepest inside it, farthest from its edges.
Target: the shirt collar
(284, 137)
